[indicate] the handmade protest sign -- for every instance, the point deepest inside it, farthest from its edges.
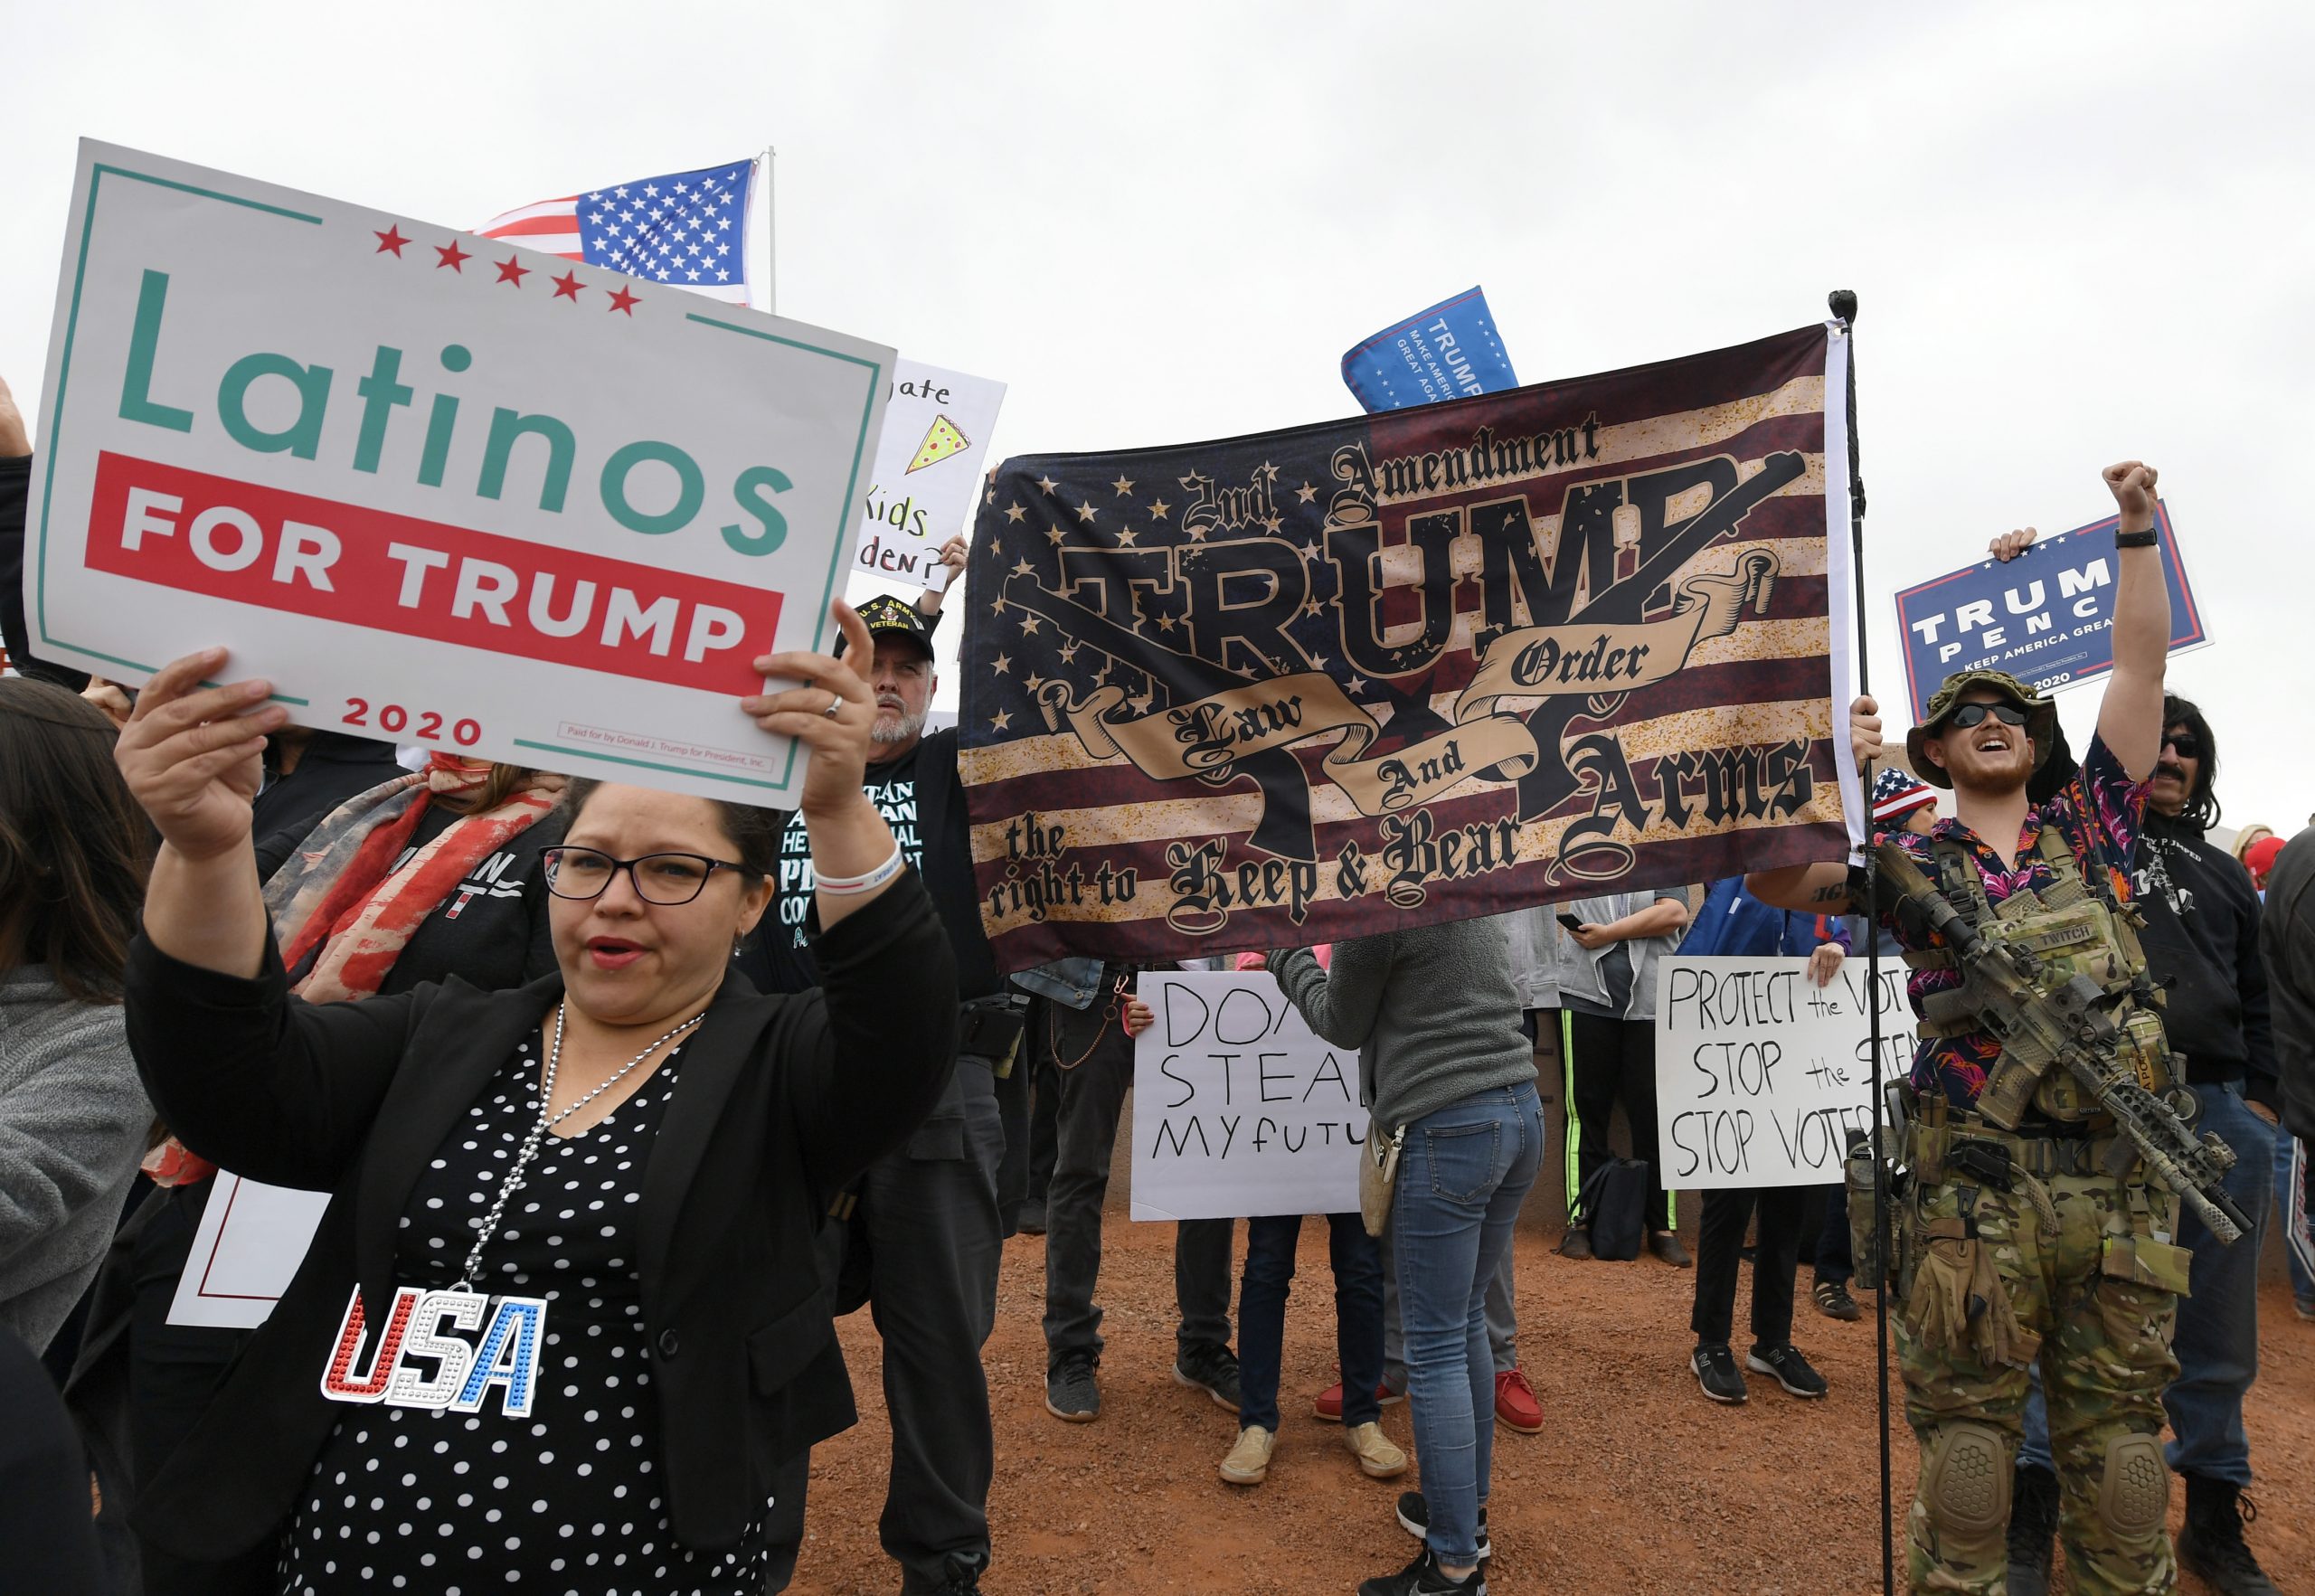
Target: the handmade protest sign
(1238, 1109)
(2046, 616)
(438, 490)
(928, 469)
(249, 1242)
(1760, 1075)
(1440, 663)
(1451, 351)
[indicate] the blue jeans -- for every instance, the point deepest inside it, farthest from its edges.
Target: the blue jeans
(2290, 1194)
(1463, 1173)
(1261, 1315)
(2217, 1339)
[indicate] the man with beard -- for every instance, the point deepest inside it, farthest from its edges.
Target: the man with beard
(2202, 941)
(919, 1238)
(2019, 1244)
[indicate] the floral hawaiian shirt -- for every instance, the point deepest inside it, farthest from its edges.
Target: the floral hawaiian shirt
(2098, 815)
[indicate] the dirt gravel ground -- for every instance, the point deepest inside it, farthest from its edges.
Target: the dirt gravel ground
(1637, 1484)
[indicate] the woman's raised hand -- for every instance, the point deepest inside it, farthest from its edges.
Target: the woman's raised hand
(189, 754)
(831, 713)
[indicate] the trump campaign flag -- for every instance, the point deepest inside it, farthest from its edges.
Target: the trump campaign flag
(1451, 351)
(688, 229)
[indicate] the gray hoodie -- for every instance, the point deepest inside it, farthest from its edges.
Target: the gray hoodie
(1431, 1012)
(72, 1124)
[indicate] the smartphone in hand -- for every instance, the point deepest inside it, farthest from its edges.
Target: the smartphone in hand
(1569, 921)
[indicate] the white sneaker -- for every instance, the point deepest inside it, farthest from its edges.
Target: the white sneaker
(1249, 1461)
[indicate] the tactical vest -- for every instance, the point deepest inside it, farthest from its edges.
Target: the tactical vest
(2069, 930)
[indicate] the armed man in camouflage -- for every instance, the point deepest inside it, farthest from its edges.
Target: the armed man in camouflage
(2017, 1242)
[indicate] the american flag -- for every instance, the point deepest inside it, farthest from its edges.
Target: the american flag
(688, 229)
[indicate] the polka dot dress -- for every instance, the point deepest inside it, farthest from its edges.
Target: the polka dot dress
(568, 1502)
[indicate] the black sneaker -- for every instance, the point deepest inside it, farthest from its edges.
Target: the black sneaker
(1422, 1578)
(1070, 1395)
(1212, 1368)
(2211, 1544)
(1032, 1221)
(1834, 1301)
(1792, 1370)
(1415, 1519)
(2033, 1529)
(1716, 1370)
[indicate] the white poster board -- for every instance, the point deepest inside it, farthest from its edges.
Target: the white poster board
(1238, 1109)
(437, 489)
(928, 469)
(1759, 1076)
(251, 1239)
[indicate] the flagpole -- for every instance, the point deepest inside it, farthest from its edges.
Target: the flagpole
(770, 235)
(1842, 302)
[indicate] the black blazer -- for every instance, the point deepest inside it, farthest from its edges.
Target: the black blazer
(781, 1101)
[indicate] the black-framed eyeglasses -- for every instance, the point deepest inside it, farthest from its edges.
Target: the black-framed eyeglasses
(664, 879)
(1970, 715)
(2185, 744)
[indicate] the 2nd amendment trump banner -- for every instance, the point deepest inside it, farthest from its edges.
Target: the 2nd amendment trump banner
(1284, 689)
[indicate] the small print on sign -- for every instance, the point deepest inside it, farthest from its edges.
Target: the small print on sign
(1237, 1108)
(1760, 1075)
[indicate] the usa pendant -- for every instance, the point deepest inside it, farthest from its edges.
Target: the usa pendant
(462, 1370)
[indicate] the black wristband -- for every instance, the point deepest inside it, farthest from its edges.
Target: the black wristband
(2135, 540)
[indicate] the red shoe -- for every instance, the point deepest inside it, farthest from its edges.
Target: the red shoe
(1329, 1404)
(1514, 1403)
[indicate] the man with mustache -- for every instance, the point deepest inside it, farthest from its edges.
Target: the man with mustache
(2019, 1245)
(2202, 940)
(920, 1238)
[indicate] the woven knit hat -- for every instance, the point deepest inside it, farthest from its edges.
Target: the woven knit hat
(1897, 795)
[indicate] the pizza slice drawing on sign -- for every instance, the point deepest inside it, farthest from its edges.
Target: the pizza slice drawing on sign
(941, 439)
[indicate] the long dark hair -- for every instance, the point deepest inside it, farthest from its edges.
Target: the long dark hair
(74, 848)
(2202, 800)
(754, 833)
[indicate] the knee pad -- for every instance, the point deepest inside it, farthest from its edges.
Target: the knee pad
(2134, 1487)
(1965, 1482)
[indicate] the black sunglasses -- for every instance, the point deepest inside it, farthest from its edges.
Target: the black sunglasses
(664, 879)
(2185, 744)
(1970, 715)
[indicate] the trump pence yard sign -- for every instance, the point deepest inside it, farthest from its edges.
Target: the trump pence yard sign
(440, 490)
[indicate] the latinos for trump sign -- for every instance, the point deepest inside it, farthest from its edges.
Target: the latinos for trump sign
(2046, 618)
(1424, 665)
(438, 490)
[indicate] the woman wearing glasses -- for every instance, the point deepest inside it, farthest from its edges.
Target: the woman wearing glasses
(560, 1323)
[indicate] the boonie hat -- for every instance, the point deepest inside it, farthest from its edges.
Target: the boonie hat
(887, 617)
(2041, 719)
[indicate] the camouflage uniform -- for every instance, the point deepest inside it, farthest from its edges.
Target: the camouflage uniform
(2106, 1358)
(2068, 1266)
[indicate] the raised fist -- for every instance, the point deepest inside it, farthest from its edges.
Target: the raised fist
(2132, 485)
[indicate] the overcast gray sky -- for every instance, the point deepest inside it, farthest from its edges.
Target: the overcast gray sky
(2079, 232)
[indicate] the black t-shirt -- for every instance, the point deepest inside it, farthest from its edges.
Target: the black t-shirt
(491, 929)
(2202, 937)
(778, 957)
(332, 768)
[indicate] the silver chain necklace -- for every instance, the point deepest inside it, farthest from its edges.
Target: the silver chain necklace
(536, 1137)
